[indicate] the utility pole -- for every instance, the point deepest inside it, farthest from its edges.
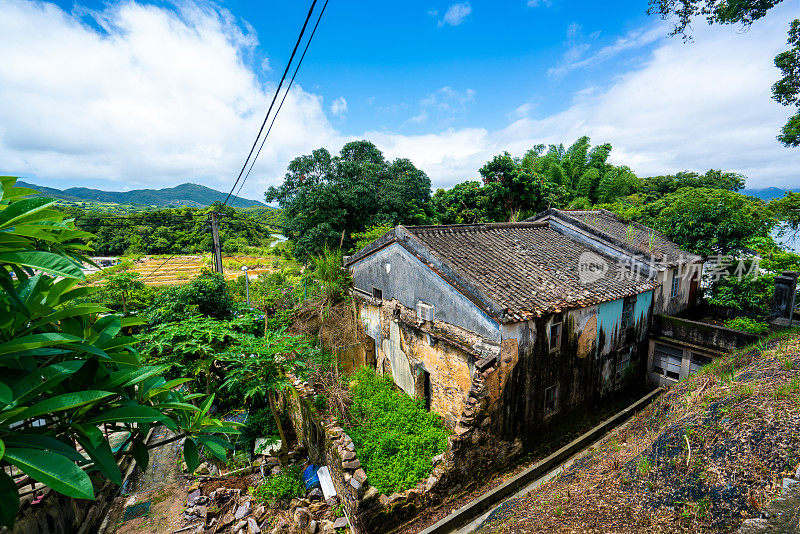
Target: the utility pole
(216, 250)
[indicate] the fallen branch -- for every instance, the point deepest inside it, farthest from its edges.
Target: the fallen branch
(689, 447)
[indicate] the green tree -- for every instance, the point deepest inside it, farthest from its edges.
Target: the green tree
(787, 90)
(328, 199)
(512, 190)
(121, 285)
(787, 211)
(464, 203)
(66, 365)
(710, 221)
(257, 369)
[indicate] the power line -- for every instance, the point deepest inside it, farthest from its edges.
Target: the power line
(285, 94)
(274, 98)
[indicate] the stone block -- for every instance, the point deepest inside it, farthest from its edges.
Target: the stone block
(243, 510)
(360, 475)
(348, 455)
(252, 526)
(353, 464)
(302, 518)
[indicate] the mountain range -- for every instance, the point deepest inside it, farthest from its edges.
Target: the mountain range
(188, 194)
(767, 193)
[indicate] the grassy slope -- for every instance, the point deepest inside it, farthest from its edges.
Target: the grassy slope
(740, 416)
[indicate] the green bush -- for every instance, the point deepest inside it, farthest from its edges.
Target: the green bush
(206, 295)
(286, 485)
(395, 436)
(746, 324)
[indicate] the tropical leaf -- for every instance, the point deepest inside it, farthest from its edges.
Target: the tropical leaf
(62, 402)
(130, 414)
(9, 500)
(52, 469)
(48, 262)
(140, 453)
(23, 210)
(103, 459)
(190, 455)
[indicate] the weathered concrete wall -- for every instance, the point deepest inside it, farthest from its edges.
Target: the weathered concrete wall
(596, 357)
(664, 303)
(713, 337)
(429, 360)
(401, 276)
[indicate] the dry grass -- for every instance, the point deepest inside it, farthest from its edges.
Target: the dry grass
(705, 456)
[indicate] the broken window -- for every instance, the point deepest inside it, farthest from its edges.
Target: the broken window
(628, 307)
(676, 284)
(551, 400)
(377, 293)
(667, 361)
(698, 361)
(555, 336)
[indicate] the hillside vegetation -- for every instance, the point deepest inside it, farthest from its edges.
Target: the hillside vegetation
(188, 194)
(710, 453)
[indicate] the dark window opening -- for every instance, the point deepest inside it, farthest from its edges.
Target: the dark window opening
(551, 400)
(377, 293)
(426, 385)
(555, 336)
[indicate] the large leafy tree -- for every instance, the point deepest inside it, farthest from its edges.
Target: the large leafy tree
(710, 221)
(787, 90)
(512, 190)
(68, 367)
(745, 12)
(326, 199)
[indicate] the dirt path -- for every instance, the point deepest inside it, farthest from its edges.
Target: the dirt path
(161, 485)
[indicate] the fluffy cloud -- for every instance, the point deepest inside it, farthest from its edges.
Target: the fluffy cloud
(144, 96)
(456, 14)
(151, 98)
(700, 105)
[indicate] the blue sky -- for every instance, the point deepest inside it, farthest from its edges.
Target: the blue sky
(127, 95)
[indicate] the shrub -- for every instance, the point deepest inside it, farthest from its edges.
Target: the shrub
(395, 437)
(746, 324)
(288, 484)
(207, 295)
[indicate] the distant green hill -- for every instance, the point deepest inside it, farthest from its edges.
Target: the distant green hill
(192, 195)
(766, 194)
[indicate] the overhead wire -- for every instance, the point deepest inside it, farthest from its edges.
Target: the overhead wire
(274, 98)
(285, 94)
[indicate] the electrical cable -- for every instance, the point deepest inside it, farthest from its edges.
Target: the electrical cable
(274, 98)
(285, 94)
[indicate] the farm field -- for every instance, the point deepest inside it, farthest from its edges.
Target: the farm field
(161, 271)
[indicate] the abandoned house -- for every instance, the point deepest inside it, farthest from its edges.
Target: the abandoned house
(554, 313)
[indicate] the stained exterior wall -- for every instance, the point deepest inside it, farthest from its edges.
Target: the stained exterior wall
(664, 302)
(414, 352)
(401, 276)
(588, 365)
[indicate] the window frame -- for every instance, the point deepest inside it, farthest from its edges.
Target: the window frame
(377, 293)
(554, 347)
(675, 288)
(628, 312)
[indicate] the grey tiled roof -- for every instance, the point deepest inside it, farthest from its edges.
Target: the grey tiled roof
(528, 268)
(637, 237)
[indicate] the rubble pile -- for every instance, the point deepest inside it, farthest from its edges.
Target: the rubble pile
(223, 505)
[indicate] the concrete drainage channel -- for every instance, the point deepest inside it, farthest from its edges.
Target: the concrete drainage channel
(472, 514)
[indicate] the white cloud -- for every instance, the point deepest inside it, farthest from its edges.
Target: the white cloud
(161, 97)
(339, 107)
(540, 3)
(574, 58)
(265, 66)
(691, 106)
(456, 14)
(158, 98)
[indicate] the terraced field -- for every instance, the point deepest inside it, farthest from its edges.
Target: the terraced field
(160, 271)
